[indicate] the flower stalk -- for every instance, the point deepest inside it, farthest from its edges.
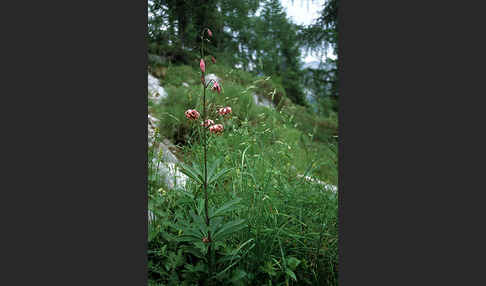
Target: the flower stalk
(208, 126)
(205, 145)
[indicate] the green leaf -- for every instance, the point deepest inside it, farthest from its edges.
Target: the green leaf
(268, 268)
(218, 175)
(197, 170)
(229, 206)
(195, 251)
(191, 173)
(187, 194)
(238, 274)
(188, 238)
(293, 262)
(291, 274)
(234, 258)
(200, 267)
(243, 157)
(228, 229)
(153, 231)
(213, 167)
(195, 229)
(167, 236)
(215, 223)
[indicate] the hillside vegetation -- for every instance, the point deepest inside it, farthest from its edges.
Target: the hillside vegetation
(290, 232)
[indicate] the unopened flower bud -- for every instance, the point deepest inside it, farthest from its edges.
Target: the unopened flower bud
(213, 59)
(210, 33)
(202, 65)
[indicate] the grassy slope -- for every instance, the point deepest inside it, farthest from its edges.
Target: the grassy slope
(267, 148)
(308, 136)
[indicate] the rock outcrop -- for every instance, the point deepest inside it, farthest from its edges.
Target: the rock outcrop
(262, 101)
(156, 92)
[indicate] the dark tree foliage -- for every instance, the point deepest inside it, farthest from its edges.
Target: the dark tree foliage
(278, 50)
(318, 38)
(174, 26)
(267, 44)
(321, 35)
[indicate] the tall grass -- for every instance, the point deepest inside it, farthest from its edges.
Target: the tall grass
(290, 231)
(292, 224)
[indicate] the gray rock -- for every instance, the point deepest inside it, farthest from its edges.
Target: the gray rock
(165, 153)
(262, 101)
(166, 164)
(171, 174)
(156, 92)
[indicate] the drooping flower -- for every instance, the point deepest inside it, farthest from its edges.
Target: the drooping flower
(202, 65)
(224, 110)
(216, 129)
(207, 123)
(191, 114)
(210, 33)
(213, 59)
(217, 87)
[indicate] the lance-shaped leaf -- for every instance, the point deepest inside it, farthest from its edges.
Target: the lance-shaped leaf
(152, 233)
(213, 167)
(188, 238)
(218, 175)
(228, 229)
(190, 235)
(215, 224)
(291, 274)
(229, 206)
(191, 173)
(293, 262)
(234, 259)
(194, 251)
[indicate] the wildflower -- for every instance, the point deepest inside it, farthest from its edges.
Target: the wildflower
(191, 114)
(206, 240)
(224, 110)
(207, 123)
(210, 33)
(202, 65)
(217, 87)
(213, 59)
(216, 129)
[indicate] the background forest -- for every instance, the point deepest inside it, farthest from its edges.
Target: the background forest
(256, 36)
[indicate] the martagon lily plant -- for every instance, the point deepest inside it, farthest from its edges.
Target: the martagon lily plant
(208, 224)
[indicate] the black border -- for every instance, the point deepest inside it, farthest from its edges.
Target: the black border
(411, 127)
(74, 183)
